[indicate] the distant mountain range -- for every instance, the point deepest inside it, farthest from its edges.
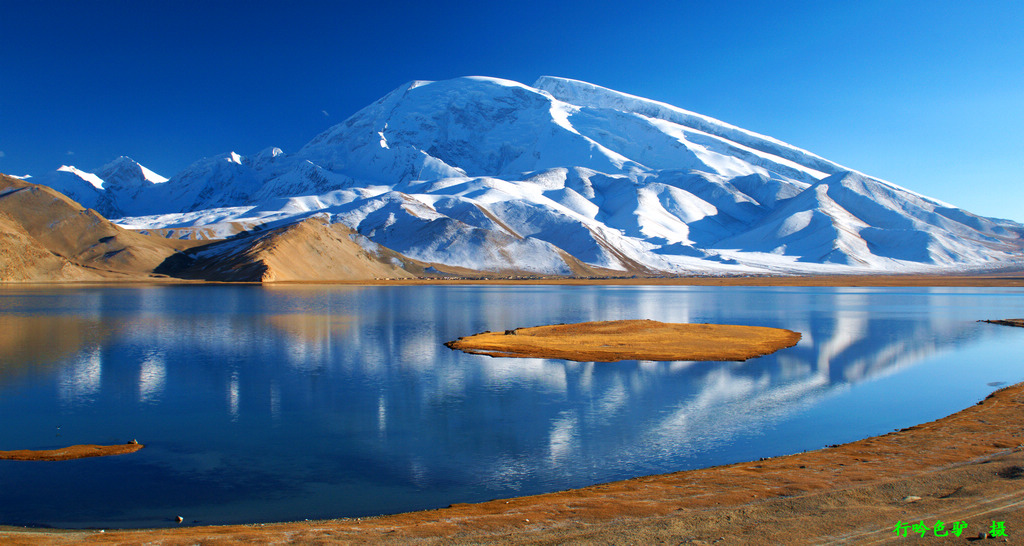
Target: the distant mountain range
(563, 178)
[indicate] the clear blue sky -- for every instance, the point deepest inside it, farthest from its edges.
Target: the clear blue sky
(926, 94)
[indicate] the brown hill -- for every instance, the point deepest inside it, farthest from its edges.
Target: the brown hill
(310, 250)
(45, 236)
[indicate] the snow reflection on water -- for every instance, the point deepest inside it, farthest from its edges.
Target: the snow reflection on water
(79, 382)
(152, 376)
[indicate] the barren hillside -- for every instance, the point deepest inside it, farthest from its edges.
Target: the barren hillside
(45, 236)
(310, 250)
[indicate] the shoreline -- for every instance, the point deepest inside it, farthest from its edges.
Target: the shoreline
(1014, 278)
(968, 466)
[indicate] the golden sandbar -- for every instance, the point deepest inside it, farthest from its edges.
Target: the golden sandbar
(70, 452)
(611, 341)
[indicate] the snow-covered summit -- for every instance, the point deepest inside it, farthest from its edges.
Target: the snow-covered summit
(470, 126)
(121, 182)
(569, 177)
(126, 172)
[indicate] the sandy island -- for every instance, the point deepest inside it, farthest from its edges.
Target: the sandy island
(611, 341)
(70, 452)
(1007, 322)
(967, 467)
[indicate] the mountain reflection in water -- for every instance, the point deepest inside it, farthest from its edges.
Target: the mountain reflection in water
(289, 403)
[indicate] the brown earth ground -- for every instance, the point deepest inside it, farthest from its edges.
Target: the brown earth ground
(70, 452)
(612, 341)
(966, 467)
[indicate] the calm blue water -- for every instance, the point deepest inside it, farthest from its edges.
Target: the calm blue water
(282, 403)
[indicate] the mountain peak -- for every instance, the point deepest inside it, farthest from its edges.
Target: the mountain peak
(266, 156)
(468, 126)
(126, 172)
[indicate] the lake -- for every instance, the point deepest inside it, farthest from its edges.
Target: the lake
(273, 403)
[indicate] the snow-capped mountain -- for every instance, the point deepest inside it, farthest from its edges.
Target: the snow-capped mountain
(112, 190)
(567, 177)
(84, 187)
(125, 172)
(124, 182)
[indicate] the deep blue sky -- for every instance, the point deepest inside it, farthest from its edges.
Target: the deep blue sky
(926, 94)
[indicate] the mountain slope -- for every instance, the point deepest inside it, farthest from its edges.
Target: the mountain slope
(23, 259)
(50, 237)
(849, 216)
(310, 250)
(715, 136)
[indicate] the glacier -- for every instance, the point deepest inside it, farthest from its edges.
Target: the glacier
(562, 177)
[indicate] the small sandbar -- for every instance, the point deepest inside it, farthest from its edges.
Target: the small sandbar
(1007, 322)
(611, 341)
(70, 452)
